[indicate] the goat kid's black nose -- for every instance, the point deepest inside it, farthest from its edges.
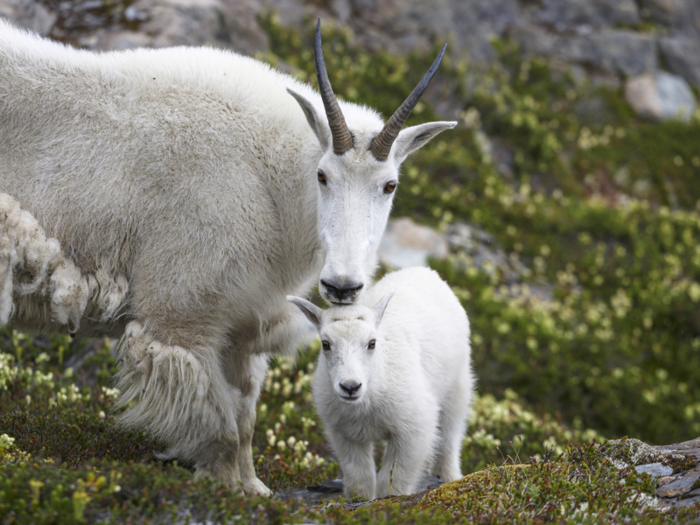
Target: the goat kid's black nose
(350, 388)
(341, 293)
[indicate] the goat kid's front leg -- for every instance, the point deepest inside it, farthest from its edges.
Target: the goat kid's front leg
(404, 461)
(357, 464)
(182, 397)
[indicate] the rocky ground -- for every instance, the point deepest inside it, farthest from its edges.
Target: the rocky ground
(674, 469)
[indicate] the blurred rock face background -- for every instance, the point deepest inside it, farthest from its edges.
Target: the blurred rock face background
(603, 39)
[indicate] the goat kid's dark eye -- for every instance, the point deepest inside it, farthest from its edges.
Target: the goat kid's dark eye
(326, 345)
(371, 344)
(322, 177)
(390, 187)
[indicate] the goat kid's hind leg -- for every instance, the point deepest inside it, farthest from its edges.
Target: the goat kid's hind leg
(182, 397)
(453, 426)
(246, 374)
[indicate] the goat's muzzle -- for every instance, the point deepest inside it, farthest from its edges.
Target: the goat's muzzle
(350, 388)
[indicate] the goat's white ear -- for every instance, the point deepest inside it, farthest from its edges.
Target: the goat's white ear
(410, 139)
(380, 307)
(310, 310)
(319, 127)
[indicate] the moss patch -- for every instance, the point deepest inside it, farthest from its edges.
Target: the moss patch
(680, 463)
(631, 452)
(580, 482)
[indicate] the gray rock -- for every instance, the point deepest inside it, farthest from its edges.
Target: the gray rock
(534, 41)
(332, 490)
(578, 31)
(107, 24)
(665, 480)
(327, 491)
(104, 40)
(661, 96)
(625, 52)
(198, 22)
(429, 482)
(631, 452)
(563, 15)
(679, 487)
(655, 470)
(406, 244)
(682, 57)
(689, 499)
(663, 12)
(28, 14)
(412, 24)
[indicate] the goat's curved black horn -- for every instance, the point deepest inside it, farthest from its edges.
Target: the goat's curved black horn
(381, 145)
(342, 139)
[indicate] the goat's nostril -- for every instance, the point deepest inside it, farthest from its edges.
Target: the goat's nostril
(350, 387)
(342, 292)
(332, 288)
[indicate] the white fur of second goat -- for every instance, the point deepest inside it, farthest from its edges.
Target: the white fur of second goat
(412, 390)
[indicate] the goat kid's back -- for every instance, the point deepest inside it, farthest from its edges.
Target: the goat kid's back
(430, 322)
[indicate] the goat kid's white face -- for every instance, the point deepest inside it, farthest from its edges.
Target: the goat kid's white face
(349, 342)
(355, 195)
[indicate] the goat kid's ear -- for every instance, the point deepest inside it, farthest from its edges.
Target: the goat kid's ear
(380, 307)
(318, 126)
(312, 312)
(410, 139)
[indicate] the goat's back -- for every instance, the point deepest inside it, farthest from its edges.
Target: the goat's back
(141, 162)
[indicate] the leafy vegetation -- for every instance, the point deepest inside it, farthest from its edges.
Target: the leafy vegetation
(587, 329)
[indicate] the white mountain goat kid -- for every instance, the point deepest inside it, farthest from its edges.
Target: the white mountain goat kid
(399, 372)
(175, 197)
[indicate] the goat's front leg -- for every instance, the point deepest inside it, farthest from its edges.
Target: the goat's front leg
(182, 397)
(357, 464)
(404, 461)
(246, 373)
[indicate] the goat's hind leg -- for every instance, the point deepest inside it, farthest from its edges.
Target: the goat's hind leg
(453, 426)
(182, 397)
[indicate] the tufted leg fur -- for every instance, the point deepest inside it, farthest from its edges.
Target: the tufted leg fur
(246, 374)
(182, 397)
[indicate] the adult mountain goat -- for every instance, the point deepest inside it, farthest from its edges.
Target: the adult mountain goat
(175, 197)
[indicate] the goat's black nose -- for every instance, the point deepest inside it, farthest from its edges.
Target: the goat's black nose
(340, 293)
(350, 387)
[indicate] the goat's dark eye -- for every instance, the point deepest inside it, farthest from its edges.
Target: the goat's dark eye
(326, 345)
(322, 177)
(390, 187)
(371, 344)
